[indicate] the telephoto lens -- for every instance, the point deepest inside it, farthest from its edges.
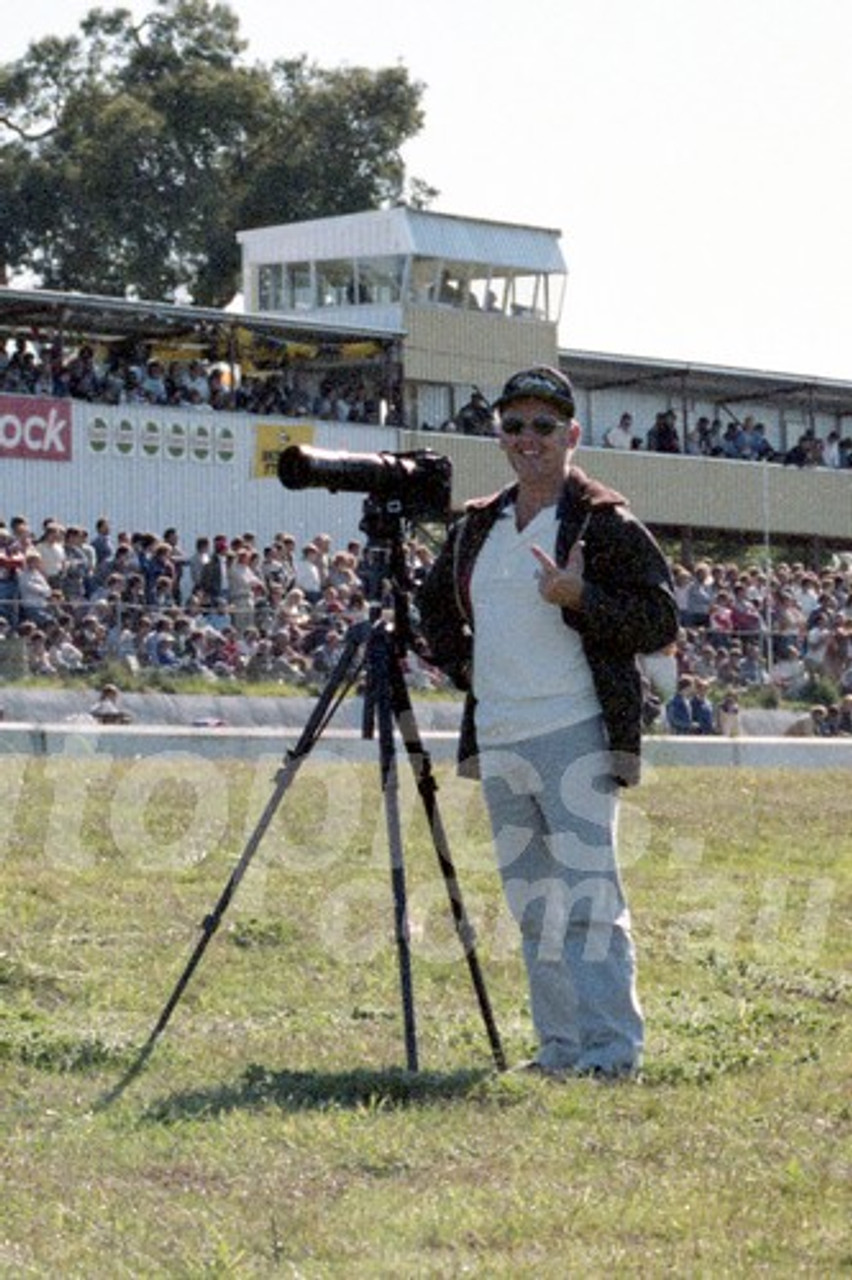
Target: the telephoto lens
(420, 481)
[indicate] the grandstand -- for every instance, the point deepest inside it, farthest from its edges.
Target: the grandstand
(379, 326)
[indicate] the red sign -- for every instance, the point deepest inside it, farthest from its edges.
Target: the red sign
(35, 427)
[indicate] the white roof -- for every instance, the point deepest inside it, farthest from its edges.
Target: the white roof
(401, 230)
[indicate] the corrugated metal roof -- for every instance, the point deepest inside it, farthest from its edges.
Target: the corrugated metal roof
(600, 371)
(34, 309)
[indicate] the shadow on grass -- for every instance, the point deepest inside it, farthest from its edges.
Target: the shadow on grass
(259, 1088)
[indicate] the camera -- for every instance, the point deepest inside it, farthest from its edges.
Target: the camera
(415, 485)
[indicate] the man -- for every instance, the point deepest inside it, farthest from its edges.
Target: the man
(177, 559)
(679, 709)
(621, 435)
(537, 606)
(102, 544)
(213, 579)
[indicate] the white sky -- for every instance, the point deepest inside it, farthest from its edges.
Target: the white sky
(695, 154)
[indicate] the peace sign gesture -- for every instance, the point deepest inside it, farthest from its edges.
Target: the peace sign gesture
(562, 587)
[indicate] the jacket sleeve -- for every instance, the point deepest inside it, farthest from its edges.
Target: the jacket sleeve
(628, 597)
(440, 620)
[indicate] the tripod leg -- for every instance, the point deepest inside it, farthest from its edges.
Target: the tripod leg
(427, 787)
(339, 682)
(378, 668)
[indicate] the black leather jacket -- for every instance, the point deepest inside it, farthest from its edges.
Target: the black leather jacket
(628, 607)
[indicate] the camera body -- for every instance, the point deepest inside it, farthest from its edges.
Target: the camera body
(413, 486)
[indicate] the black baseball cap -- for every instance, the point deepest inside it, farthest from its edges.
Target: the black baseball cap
(539, 383)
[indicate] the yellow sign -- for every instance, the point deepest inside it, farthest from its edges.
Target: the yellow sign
(270, 439)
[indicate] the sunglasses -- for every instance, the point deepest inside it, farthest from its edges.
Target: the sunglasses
(541, 426)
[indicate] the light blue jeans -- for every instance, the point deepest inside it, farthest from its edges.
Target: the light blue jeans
(553, 810)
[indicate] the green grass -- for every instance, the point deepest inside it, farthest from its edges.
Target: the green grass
(273, 1130)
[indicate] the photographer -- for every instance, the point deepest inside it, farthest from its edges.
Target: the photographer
(537, 606)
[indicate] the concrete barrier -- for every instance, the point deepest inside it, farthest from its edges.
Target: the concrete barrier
(219, 741)
(217, 726)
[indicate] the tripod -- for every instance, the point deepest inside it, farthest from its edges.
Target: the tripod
(372, 651)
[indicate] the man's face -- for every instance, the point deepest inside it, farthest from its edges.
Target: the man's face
(537, 438)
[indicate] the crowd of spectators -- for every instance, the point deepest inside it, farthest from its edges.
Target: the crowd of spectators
(743, 629)
(738, 441)
(30, 369)
(227, 609)
(33, 368)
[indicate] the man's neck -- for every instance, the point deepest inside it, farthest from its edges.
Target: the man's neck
(532, 498)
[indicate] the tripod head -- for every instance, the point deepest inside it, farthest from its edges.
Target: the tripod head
(384, 567)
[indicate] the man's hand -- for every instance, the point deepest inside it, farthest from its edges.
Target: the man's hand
(562, 587)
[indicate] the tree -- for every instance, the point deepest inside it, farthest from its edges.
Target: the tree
(131, 154)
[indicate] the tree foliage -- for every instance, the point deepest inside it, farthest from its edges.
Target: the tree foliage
(131, 154)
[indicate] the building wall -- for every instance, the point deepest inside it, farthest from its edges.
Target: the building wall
(704, 493)
(460, 348)
(147, 468)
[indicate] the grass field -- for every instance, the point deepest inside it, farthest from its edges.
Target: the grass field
(274, 1132)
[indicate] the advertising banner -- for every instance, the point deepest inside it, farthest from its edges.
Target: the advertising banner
(271, 438)
(130, 431)
(36, 428)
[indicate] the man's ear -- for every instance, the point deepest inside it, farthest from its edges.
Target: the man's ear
(574, 433)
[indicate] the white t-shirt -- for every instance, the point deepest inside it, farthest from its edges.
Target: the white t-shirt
(530, 673)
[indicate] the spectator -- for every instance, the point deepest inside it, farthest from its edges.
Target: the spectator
(322, 542)
(701, 708)
(51, 547)
(154, 383)
(698, 598)
(752, 667)
(309, 573)
(816, 642)
(213, 577)
(720, 623)
(65, 655)
(788, 672)
(679, 709)
(35, 592)
(37, 655)
(177, 560)
(728, 666)
(760, 450)
(108, 709)
(76, 579)
(734, 442)
(199, 558)
(788, 625)
(11, 562)
(745, 617)
(244, 588)
(620, 436)
(327, 654)
(663, 437)
(102, 543)
(195, 386)
(275, 569)
(728, 716)
(156, 564)
(803, 453)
